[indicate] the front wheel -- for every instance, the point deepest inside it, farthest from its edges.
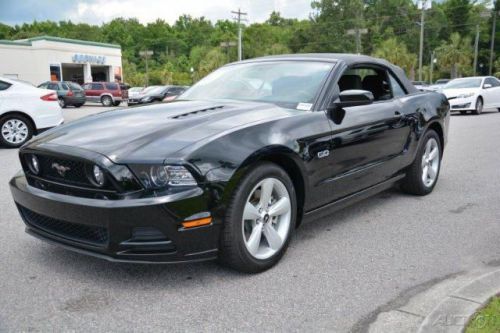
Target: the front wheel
(423, 173)
(479, 106)
(259, 221)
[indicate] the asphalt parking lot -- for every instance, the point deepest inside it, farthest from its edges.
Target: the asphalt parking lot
(338, 273)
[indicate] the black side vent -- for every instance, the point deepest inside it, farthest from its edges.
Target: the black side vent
(187, 114)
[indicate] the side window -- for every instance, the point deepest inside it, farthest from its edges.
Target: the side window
(4, 85)
(87, 86)
(43, 85)
(367, 78)
(52, 86)
(97, 86)
(397, 89)
(64, 86)
(494, 82)
(111, 86)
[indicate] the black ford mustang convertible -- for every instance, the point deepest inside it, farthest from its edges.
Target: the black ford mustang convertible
(235, 165)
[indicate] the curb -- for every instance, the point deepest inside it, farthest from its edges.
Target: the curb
(444, 308)
(455, 311)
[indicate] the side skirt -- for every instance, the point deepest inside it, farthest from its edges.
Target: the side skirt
(350, 199)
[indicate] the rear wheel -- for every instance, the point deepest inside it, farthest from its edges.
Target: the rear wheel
(106, 101)
(259, 220)
(479, 106)
(15, 131)
(423, 173)
(62, 102)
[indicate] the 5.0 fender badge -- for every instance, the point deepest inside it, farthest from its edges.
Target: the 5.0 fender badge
(323, 153)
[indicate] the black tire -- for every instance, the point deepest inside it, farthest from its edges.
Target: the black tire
(413, 182)
(62, 102)
(106, 101)
(463, 112)
(26, 121)
(479, 106)
(233, 252)
(117, 103)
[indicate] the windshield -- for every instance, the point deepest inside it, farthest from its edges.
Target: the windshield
(292, 84)
(153, 90)
(464, 83)
(74, 86)
(135, 89)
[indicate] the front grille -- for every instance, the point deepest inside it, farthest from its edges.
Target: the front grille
(80, 232)
(70, 171)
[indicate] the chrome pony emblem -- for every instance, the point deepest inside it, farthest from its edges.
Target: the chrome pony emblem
(61, 169)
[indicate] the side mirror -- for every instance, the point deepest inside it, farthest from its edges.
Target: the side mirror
(348, 98)
(353, 97)
(487, 86)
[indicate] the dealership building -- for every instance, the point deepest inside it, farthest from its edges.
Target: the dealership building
(46, 58)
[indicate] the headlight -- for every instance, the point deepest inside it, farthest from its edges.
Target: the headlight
(98, 175)
(34, 164)
(159, 176)
(467, 95)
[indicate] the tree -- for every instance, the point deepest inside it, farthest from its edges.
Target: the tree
(213, 60)
(455, 55)
(397, 53)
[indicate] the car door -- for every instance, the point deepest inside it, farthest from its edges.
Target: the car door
(368, 140)
(491, 93)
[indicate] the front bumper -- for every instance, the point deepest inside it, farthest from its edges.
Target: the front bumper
(112, 229)
(462, 104)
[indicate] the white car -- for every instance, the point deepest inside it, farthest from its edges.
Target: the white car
(26, 111)
(473, 94)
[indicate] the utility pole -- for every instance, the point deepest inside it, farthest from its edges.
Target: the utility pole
(146, 54)
(476, 49)
(238, 19)
(493, 33)
(433, 60)
(357, 33)
(422, 22)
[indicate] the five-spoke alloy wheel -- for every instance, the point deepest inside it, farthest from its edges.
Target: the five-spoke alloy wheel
(266, 218)
(260, 219)
(430, 162)
(422, 174)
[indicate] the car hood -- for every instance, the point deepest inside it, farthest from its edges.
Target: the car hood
(455, 92)
(153, 133)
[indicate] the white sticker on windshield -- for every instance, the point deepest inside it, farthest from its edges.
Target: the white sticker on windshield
(304, 106)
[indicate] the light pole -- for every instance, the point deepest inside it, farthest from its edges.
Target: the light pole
(192, 75)
(146, 54)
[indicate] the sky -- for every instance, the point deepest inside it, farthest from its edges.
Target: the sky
(100, 11)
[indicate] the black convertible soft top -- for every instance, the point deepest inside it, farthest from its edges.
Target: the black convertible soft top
(349, 60)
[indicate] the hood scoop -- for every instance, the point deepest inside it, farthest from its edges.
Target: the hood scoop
(192, 113)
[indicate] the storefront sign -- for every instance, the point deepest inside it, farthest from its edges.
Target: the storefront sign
(85, 58)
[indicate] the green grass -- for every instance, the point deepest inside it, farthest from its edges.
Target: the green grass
(487, 320)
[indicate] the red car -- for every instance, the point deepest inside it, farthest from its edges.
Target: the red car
(107, 93)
